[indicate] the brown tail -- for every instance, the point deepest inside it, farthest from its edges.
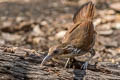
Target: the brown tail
(86, 12)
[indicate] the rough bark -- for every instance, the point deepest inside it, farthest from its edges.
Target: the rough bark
(24, 64)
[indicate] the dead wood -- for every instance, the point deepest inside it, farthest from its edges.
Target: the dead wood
(24, 64)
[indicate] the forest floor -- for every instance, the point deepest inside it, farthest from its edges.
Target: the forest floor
(40, 24)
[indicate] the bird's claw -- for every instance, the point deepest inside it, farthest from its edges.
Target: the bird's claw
(84, 66)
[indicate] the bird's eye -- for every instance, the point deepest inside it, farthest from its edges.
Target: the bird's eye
(55, 51)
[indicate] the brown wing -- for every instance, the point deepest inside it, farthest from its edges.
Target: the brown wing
(80, 35)
(70, 30)
(86, 11)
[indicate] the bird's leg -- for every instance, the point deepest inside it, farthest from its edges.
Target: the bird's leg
(92, 52)
(68, 60)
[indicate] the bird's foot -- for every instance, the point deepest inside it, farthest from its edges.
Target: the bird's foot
(84, 66)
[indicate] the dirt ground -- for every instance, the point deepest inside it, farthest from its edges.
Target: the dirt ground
(40, 24)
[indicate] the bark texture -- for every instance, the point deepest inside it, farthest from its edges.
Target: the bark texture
(24, 64)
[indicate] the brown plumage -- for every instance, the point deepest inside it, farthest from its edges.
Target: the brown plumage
(85, 12)
(79, 39)
(81, 35)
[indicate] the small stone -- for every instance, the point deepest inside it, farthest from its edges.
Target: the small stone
(117, 26)
(115, 6)
(105, 33)
(2, 42)
(11, 37)
(110, 12)
(43, 23)
(105, 26)
(60, 34)
(113, 52)
(108, 42)
(19, 19)
(36, 40)
(55, 4)
(3, 18)
(7, 23)
(111, 44)
(51, 38)
(27, 0)
(109, 18)
(97, 21)
(118, 50)
(37, 31)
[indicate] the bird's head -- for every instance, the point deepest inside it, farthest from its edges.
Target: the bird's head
(54, 51)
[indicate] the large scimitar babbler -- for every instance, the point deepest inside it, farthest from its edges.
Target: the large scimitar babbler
(79, 39)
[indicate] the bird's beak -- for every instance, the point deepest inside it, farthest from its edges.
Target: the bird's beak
(48, 57)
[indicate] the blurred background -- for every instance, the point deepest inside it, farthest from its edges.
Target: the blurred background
(40, 24)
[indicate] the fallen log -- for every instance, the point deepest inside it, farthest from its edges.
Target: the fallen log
(24, 64)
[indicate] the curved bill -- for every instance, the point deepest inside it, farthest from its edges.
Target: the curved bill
(48, 57)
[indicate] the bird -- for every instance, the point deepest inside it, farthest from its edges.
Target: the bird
(79, 39)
